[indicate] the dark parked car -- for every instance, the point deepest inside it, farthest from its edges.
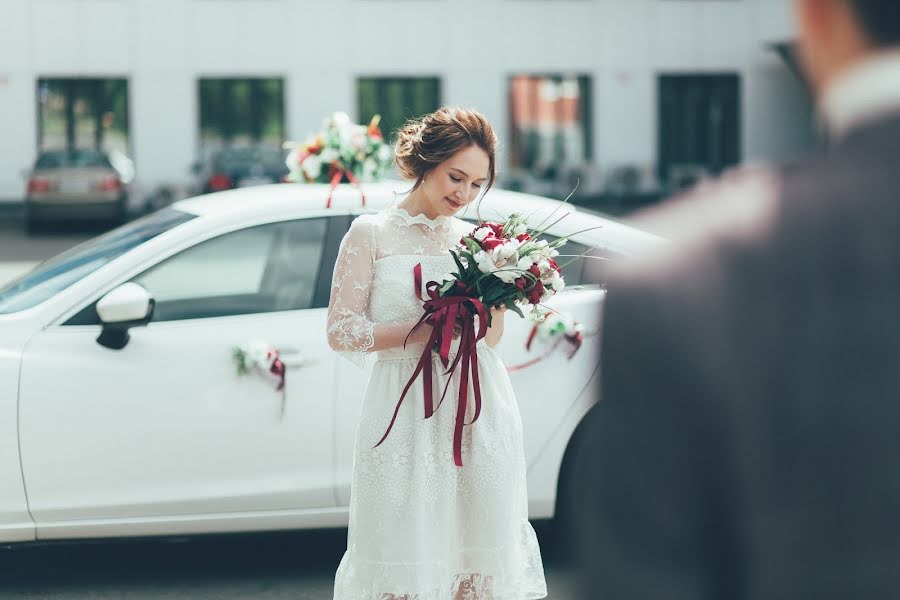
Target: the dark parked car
(75, 184)
(242, 167)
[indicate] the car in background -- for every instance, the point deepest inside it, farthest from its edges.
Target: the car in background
(122, 412)
(244, 166)
(77, 184)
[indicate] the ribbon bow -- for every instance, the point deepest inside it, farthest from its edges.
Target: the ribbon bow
(336, 173)
(442, 314)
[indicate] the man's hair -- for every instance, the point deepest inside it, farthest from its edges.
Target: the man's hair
(880, 19)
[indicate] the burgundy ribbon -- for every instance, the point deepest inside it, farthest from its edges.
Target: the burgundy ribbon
(576, 339)
(442, 314)
(336, 173)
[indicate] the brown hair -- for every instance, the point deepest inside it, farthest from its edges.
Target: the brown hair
(424, 143)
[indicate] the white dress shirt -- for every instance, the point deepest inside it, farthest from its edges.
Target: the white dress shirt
(865, 91)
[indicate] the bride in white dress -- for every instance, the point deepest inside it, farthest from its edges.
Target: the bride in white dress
(420, 527)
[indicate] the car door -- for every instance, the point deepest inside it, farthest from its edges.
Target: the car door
(547, 382)
(166, 426)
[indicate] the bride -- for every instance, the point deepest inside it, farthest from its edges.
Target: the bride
(420, 527)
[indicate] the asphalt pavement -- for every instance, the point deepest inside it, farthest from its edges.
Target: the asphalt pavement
(298, 565)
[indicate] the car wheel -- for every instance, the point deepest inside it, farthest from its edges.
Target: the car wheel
(121, 216)
(29, 220)
(570, 487)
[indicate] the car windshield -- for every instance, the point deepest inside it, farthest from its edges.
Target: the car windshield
(58, 273)
(57, 159)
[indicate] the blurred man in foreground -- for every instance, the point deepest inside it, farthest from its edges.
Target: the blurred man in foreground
(747, 441)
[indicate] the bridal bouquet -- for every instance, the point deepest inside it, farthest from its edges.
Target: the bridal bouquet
(498, 264)
(342, 151)
(504, 264)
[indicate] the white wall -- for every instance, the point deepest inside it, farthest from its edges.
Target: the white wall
(320, 46)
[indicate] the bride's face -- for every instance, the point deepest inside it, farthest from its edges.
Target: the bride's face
(457, 181)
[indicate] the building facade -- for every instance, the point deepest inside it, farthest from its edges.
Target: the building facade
(634, 95)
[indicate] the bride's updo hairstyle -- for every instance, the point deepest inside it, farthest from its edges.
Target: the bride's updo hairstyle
(422, 144)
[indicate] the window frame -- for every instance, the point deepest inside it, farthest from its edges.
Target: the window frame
(336, 226)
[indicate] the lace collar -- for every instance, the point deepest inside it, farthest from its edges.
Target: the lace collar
(409, 219)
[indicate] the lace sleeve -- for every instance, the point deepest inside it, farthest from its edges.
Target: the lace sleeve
(350, 332)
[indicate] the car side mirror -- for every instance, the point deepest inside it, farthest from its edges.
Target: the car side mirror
(127, 306)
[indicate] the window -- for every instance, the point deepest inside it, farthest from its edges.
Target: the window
(699, 127)
(550, 122)
(240, 112)
(268, 268)
(396, 99)
(83, 113)
(53, 276)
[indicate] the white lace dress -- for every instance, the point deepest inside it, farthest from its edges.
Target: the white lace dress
(420, 527)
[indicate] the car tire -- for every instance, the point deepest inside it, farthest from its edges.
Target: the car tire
(121, 215)
(30, 222)
(568, 515)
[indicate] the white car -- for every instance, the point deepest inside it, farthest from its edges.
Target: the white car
(121, 410)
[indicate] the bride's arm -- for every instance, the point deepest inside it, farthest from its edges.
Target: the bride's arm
(350, 332)
(495, 331)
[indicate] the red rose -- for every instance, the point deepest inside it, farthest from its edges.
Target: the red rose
(521, 282)
(534, 270)
(497, 228)
(523, 237)
(554, 265)
(534, 296)
(490, 243)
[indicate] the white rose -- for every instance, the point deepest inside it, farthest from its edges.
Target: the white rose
(329, 155)
(508, 250)
(557, 282)
(339, 119)
(544, 266)
(291, 159)
(524, 263)
(484, 262)
(312, 166)
(481, 233)
(506, 276)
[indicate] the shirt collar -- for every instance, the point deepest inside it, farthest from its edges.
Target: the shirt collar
(867, 90)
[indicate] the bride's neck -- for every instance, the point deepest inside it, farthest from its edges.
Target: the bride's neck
(415, 204)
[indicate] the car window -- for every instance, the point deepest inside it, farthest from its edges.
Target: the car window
(75, 158)
(261, 269)
(238, 158)
(58, 273)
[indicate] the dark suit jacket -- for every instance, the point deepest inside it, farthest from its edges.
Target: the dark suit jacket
(746, 444)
